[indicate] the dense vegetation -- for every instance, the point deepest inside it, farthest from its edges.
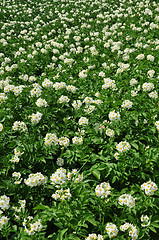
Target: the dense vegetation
(79, 119)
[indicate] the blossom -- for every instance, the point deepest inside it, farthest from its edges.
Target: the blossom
(123, 146)
(132, 230)
(83, 121)
(41, 102)
(60, 162)
(149, 188)
(150, 57)
(33, 227)
(3, 221)
(47, 83)
(63, 99)
(103, 190)
(36, 179)
(62, 194)
(94, 236)
(77, 104)
(77, 140)
(1, 127)
(64, 141)
(145, 221)
(113, 116)
(127, 104)
(19, 126)
(147, 87)
(51, 139)
(109, 132)
(112, 230)
(35, 118)
(4, 202)
(153, 95)
(133, 81)
(157, 125)
(127, 199)
(59, 177)
(150, 73)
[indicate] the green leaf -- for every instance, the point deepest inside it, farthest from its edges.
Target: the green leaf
(92, 221)
(152, 229)
(61, 234)
(96, 173)
(73, 237)
(42, 207)
(135, 145)
(155, 225)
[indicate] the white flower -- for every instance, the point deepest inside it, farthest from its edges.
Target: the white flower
(63, 99)
(147, 87)
(60, 162)
(149, 187)
(35, 118)
(51, 139)
(127, 104)
(145, 220)
(113, 116)
(35, 180)
(41, 102)
(123, 146)
(77, 140)
(83, 121)
(112, 230)
(127, 199)
(1, 127)
(4, 202)
(102, 190)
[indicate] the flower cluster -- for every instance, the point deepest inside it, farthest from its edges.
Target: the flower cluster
(123, 146)
(47, 83)
(36, 91)
(153, 95)
(51, 139)
(113, 116)
(109, 132)
(83, 121)
(35, 118)
(41, 102)
(108, 83)
(59, 177)
(19, 126)
(76, 104)
(103, 190)
(127, 199)
(132, 230)
(62, 194)
(77, 140)
(149, 187)
(60, 162)
(59, 85)
(63, 99)
(4, 202)
(64, 141)
(127, 104)
(147, 87)
(36, 179)
(32, 228)
(94, 236)
(112, 230)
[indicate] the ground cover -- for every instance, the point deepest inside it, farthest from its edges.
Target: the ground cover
(79, 120)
